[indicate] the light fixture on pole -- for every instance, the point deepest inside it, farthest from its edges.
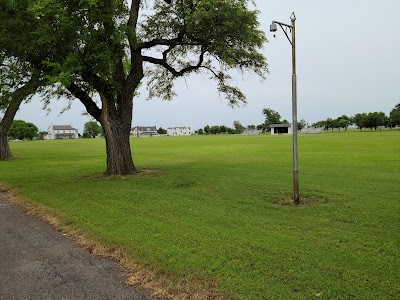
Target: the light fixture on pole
(292, 41)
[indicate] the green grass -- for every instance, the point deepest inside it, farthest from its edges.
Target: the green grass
(209, 211)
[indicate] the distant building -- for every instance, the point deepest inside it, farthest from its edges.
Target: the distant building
(252, 132)
(312, 130)
(281, 128)
(143, 131)
(177, 131)
(61, 132)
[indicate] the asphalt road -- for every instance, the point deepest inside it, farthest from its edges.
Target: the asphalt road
(36, 262)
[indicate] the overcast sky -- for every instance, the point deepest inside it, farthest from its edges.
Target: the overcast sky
(348, 61)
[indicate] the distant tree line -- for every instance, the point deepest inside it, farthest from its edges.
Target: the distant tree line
(216, 129)
(271, 117)
(21, 130)
(373, 120)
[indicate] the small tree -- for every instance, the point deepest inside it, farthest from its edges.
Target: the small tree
(238, 127)
(261, 127)
(41, 135)
(320, 124)
(343, 122)
(301, 124)
(161, 131)
(91, 129)
(329, 124)
(359, 120)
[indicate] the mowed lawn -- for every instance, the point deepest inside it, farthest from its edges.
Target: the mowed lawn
(207, 212)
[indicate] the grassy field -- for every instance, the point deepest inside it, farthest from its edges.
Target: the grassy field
(207, 212)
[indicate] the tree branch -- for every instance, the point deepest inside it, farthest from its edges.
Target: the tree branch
(17, 97)
(160, 42)
(163, 62)
(134, 14)
(165, 42)
(87, 101)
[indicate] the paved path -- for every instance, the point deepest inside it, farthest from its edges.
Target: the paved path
(37, 262)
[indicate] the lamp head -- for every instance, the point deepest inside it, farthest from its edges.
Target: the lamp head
(273, 27)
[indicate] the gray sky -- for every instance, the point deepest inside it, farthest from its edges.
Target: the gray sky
(348, 61)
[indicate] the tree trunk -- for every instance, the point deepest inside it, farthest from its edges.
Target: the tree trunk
(17, 97)
(5, 152)
(116, 120)
(119, 156)
(115, 114)
(5, 124)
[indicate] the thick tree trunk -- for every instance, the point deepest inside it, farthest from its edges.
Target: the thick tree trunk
(116, 120)
(5, 124)
(115, 114)
(17, 97)
(5, 152)
(119, 156)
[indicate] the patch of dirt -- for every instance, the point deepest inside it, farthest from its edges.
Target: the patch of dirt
(305, 200)
(147, 171)
(3, 189)
(139, 172)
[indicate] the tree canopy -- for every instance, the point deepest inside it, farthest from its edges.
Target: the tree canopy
(394, 118)
(18, 82)
(271, 117)
(91, 129)
(92, 48)
(21, 130)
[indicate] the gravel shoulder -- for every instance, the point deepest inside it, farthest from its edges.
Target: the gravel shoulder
(37, 262)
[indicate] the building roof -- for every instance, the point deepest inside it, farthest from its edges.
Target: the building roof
(145, 128)
(179, 127)
(280, 125)
(63, 127)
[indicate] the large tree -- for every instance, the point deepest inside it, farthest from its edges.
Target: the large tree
(103, 49)
(18, 81)
(21, 74)
(22, 130)
(271, 117)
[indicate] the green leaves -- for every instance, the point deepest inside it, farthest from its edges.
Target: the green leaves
(91, 129)
(91, 44)
(22, 130)
(271, 117)
(214, 36)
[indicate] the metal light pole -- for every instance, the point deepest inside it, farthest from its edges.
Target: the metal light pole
(292, 28)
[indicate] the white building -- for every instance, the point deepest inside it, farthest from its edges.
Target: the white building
(177, 131)
(144, 131)
(61, 132)
(281, 128)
